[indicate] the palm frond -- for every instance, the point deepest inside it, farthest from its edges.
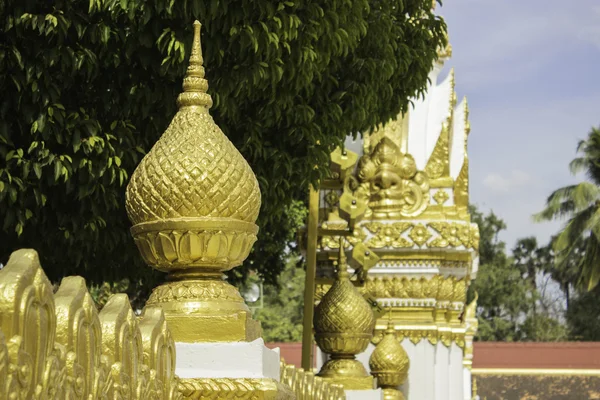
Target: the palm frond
(577, 227)
(568, 200)
(590, 264)
(579, 164)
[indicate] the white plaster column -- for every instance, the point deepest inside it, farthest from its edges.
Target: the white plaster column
(455, 373)
(442, 364)
(227, 360)
(468, 389)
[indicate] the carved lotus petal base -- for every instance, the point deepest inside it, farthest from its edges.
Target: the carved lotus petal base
(349, 373)
(389, 378)
(205, 310)
(210, 244)
(343, 344)
(392, 394)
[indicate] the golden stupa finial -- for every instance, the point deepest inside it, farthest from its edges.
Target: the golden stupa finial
(344, 324)
(389, 363)
(193, 202)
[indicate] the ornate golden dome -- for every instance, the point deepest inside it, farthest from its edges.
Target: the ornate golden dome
(193, 170)
(344, 325)
(193, 199)
(389, 363)
(343, 319)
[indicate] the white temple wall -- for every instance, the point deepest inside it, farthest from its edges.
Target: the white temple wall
(436, 371)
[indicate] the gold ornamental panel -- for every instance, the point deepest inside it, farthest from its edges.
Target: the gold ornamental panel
(408, 235)
(57, 346)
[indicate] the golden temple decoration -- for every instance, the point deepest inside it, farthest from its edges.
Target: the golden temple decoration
(391, 183)
(471, 323)
(438, 288)
(333, 242)
(193, 201)
(441, 196)
(388, 235)
(233, 388)
(59, 347)
(384, 235)
(445, 52)
(389, 364)
(419, 234)
(159, 352)
(343, 325)
(432, 333)
(438, 164)
(395, 129)
(461, 186)
(307, 386)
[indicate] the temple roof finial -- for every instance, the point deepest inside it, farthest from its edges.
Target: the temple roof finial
(194, 84)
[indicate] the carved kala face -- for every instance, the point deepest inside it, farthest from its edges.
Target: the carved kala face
(391, 181)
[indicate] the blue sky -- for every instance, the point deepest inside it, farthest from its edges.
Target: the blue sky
(529, 69)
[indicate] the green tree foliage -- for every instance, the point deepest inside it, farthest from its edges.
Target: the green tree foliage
(88, 87)
(510, 306)
(281, 315)
(580, 204)
(503, 295)
(583, 315)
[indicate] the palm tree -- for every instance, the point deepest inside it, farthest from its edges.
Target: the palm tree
(580, 204)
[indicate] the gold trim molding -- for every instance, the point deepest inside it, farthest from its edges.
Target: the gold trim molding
(410, 235)
(234, 388)
(433, 334)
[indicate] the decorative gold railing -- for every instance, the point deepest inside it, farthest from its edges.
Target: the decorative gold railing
(58, 346)
(307, 386)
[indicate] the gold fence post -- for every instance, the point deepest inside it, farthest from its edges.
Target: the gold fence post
(309, 284)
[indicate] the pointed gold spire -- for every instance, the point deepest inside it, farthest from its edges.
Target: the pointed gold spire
(194, 84)
(342, 262)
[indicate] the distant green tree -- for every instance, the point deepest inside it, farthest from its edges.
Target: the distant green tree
(504, 296)
(579, 203)
(88, 86)
(281, 315)
(583, 315)
(507, 289)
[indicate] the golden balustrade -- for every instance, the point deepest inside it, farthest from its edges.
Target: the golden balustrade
(58, 346)
(307, 386)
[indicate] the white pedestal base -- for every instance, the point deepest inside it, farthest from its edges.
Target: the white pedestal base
(376, 394)
(227, 360)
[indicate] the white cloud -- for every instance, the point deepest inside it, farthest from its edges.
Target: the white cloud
(505, 184)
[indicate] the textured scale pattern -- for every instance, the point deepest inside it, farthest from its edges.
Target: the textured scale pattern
(344, 310)
(193, 171)
(389, 355)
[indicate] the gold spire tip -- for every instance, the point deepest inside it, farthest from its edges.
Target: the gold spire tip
(342, 265)
(194, 84)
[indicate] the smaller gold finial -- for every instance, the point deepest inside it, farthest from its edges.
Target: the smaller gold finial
(389, 363)
(344, 324)
(194, 84)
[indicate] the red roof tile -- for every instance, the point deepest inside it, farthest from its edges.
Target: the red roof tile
(563, 355)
